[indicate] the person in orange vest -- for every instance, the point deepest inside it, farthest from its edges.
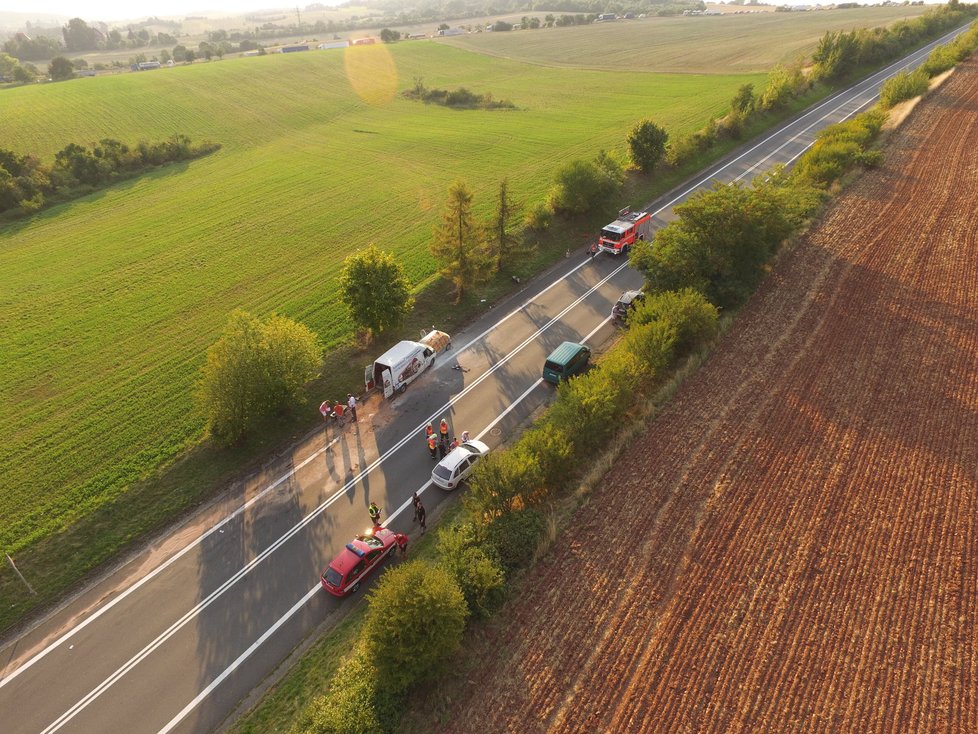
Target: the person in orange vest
(433, 447)
(443, 429)
(454, 444)
(429, 429)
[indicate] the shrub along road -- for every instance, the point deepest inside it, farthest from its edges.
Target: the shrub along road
(175, 638)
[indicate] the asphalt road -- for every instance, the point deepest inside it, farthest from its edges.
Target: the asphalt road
(176, 637)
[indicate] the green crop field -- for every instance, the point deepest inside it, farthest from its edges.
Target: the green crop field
(108, 303)
(703, 44)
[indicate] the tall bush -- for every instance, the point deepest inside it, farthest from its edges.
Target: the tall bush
(256, 367)
(585, 185)
(515, 537)
(719, 244)
(478, 573)
(357, 702)
(687, 311)
(415, 620)
(903, 86)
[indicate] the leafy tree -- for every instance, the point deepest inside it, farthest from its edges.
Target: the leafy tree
(457, 245)
(79, 36)
(60, 69)
(415, 620)
(477, 573)
(357, 702)
(502, 482)
(585, 185)
(389, 36)
(515, 537)
(783, 84)
(647, 142)
(25, 73)
(550, 451)
(588, 407)
(722, 240)
(179, 53)
(165, 56)
(654, 344)
(687, 311)
(444, 27)
(254, 369)
(190, 56)
(375, 290)
(743, 102)
(503, 242)
(32, 49)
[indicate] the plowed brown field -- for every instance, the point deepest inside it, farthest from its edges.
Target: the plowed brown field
(804, 556)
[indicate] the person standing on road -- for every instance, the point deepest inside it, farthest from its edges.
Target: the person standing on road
(443, 446)
(374, 512)
(338, 412)
(351, 403)
(419, 511)
(443, 429)
(465, 436)
(433, 447)
(454, 444)
(326, 409)
(592, 250)
(428, 430)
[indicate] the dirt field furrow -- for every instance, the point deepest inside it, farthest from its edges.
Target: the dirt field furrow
(805, 560)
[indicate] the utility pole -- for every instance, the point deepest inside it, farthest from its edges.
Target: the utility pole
(297, 16)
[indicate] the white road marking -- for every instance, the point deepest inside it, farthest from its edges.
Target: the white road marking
(240, 659)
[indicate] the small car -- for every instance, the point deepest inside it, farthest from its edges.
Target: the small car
(626, 302)
(454, 468)
(359, 559)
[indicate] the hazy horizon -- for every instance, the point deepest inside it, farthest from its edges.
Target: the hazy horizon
(114, 10)
(119, 10)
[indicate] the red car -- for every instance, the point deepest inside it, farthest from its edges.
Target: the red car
(360, 557)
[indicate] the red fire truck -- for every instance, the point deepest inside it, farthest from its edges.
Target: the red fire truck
(619, 236)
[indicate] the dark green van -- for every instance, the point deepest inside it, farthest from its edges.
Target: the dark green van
(565, 361)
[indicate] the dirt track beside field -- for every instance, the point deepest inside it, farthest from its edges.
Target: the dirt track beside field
(805, 557)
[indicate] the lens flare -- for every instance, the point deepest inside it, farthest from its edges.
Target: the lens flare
(371, 72)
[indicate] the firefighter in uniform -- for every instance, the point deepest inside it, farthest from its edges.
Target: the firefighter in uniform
(433, 447)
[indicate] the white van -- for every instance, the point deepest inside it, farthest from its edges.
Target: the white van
(403, 363)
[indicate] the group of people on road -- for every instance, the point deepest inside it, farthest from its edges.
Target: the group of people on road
(336, 413)
(439, 446)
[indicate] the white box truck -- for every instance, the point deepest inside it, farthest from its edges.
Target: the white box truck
(403, 363)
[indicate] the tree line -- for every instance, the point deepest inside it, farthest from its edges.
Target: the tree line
(27, 184)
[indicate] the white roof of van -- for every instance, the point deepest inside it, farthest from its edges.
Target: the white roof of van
(398, 352)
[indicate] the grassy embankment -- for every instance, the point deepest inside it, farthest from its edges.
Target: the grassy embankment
(111, 300)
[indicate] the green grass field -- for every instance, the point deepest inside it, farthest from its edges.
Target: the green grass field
(110, 301)
(731, 44)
